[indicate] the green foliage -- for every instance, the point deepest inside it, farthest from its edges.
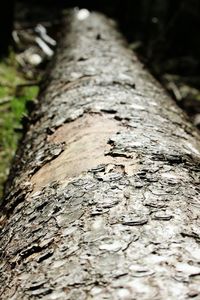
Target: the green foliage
(12, 109)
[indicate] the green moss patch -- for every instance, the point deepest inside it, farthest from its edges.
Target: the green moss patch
(12, 109)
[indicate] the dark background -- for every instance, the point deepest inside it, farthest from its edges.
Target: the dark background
(166, 27)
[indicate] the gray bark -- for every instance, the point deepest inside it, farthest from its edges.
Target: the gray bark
(103, 198)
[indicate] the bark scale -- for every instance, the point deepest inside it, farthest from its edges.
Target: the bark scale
(103, 197)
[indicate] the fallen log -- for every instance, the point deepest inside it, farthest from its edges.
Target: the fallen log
(103, 197)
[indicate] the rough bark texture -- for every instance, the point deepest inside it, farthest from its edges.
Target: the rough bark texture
(104, 202)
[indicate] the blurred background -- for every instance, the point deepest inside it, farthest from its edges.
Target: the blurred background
(164, 33)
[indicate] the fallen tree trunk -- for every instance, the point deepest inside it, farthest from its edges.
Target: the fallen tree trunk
(102, 201)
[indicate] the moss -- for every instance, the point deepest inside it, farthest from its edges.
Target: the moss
(11, 112)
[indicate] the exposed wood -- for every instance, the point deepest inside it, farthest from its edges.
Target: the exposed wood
(103, 197)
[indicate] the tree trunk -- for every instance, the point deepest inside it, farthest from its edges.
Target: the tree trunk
(102, 201)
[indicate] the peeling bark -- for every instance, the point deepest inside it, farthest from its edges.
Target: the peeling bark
(103, 197)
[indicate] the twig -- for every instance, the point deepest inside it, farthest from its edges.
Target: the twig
(26, 84)
(5, 100)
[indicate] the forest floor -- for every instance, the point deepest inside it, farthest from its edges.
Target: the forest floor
(14, 93)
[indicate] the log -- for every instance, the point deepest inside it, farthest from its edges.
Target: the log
(103, 196)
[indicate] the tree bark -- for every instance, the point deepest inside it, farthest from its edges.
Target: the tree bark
(103, 196)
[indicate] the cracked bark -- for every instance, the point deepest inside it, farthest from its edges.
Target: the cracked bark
(103, 197)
